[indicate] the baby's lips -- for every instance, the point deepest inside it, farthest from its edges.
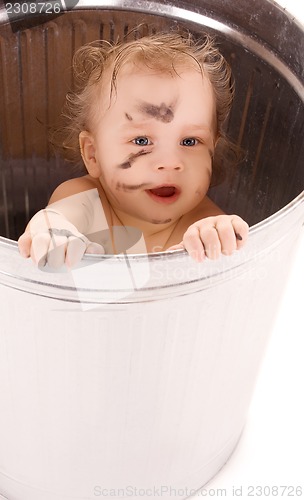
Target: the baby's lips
(165, 190)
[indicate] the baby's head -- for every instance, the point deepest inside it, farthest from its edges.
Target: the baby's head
(99, 65)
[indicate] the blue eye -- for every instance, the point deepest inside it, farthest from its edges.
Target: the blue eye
(189, 141)
(141, 141)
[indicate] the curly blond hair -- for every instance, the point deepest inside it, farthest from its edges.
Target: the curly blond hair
(164, 52)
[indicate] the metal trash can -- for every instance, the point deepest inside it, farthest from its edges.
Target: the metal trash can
(132, 375)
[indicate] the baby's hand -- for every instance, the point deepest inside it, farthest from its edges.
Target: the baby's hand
(51, 238)
(213, 236)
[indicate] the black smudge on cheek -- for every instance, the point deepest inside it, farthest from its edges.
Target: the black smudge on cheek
(131, 159)
(128, 117)
(125, 165)
(128, 188)
(162, 113)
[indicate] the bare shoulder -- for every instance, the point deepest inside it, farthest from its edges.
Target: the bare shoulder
(74, 186)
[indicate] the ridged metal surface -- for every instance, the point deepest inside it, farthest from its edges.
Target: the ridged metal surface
(267, 117)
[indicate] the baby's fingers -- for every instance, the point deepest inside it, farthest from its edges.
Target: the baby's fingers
(241, 231)
(24, 244)
(39, 249)
(78, 246)
(75, 250)
(95, 248)
(200, 242)
(57, 251)
(227, 235)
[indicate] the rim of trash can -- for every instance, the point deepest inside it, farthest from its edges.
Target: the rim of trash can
(254, 230)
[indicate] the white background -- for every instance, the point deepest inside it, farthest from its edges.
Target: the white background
(271, 450)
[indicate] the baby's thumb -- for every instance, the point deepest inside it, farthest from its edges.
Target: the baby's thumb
(95, 248)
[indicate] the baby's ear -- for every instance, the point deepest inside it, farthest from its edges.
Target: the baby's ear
(88, 153)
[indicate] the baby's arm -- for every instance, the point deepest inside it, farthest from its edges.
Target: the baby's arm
(56, 234)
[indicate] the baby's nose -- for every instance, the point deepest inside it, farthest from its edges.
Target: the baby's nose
(168, 166)
(169, 162)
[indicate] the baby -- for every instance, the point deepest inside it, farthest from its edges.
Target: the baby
(146, 119)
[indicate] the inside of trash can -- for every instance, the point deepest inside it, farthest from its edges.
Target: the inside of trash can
(266, 120)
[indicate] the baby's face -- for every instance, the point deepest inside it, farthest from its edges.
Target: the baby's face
(154, 143)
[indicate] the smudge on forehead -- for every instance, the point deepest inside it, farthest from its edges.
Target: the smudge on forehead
(163, 113)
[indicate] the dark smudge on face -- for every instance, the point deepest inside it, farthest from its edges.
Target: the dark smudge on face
(155, 221)
(162, 113)
(128, 163)
(128, 117)
(130, 187)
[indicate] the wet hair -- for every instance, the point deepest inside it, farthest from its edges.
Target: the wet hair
(165, 52)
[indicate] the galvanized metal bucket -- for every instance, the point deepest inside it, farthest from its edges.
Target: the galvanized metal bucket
(132, 375)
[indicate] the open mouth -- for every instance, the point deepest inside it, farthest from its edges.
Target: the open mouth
(164, 194)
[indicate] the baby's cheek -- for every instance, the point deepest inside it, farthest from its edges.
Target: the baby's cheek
(115, 183)
(201, 190)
